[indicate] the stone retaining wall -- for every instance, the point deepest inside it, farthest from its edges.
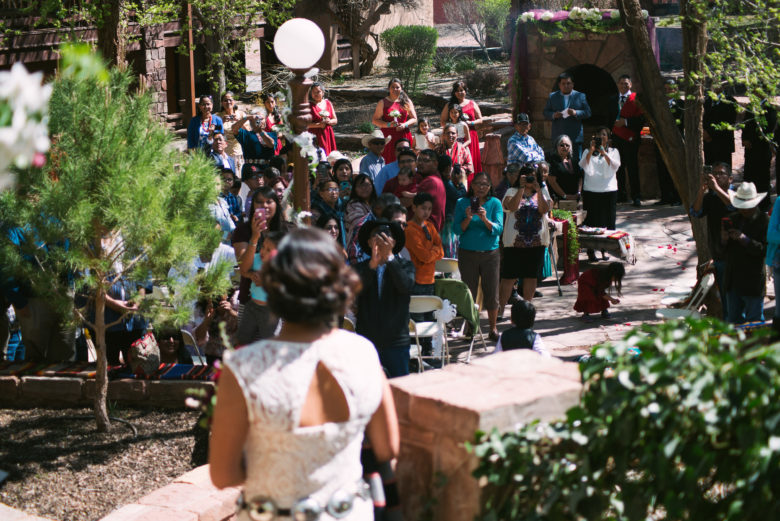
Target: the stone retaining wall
(190, 497)
(32, 391)
(440, 410)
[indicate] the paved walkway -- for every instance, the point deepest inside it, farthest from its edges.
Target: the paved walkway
(666, 258)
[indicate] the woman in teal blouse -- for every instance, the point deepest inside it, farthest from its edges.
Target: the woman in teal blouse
(478, 220)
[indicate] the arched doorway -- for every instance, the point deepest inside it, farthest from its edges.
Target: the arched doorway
(598, 86)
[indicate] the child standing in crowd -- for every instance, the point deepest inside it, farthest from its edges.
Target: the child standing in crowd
(522, 335)
(592, 289)
(423, 138)
(456, 118)
(402, 186)
(423, 243)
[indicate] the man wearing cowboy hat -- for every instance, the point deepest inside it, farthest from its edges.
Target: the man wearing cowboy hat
(373, 162)
(383, 304)
(743, 234)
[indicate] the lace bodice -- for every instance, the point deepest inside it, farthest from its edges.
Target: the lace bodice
(287, 462)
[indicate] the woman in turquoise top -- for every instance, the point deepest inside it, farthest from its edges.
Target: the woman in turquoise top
(478, 220)
(773, 256)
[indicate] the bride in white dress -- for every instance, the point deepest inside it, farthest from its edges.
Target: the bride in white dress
(291, 411)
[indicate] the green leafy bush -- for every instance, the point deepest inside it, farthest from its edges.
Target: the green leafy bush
(410, 50)
(484, 81)
(679, 420)
(465, 64)
(366, 127)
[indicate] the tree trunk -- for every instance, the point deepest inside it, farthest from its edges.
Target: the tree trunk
(101, 373)
(111, 37)
(677, 154)
(694, 33)
(355, 43)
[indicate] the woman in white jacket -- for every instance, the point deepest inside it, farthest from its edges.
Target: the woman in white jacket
(600, 163)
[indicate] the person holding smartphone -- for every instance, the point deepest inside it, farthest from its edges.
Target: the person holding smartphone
(478, 220)
(713, 202)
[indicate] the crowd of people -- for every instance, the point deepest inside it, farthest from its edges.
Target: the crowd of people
(419, 195)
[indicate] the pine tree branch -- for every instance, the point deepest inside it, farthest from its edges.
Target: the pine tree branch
(83, 318)
(127, 268)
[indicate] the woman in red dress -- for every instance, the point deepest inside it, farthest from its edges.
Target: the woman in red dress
(474, 115)
(323, 118)
(394, 115)
(272, 118)
(592, 286)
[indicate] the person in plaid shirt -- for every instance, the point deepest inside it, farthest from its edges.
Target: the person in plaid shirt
(233, 202)
(522, 148)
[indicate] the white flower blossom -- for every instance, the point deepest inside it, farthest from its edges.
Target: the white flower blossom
(300, 218)
(546, 16)
(528, 16)
(28, 134)
(645, 14)
(192, 403)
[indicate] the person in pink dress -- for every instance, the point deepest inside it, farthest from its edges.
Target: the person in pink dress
(323, 118)
(474, 117)
(394, 115)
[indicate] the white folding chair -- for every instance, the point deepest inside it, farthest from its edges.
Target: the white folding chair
(692, 308)
(198, 358)
(426, 304)
(447, 266)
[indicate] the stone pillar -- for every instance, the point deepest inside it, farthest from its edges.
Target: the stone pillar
(252, 61)
(440, 410)
(155, 68)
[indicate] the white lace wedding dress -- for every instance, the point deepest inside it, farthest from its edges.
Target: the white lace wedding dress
(287, 462)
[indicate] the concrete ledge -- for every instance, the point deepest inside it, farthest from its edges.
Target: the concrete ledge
(191, 497)
(50, 390)
(440, 410)
(9, 389)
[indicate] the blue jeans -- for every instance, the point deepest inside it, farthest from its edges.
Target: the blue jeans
(395, 360)
(744, 309)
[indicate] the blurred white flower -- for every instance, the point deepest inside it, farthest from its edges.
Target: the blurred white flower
(546, 16)
(26, 133)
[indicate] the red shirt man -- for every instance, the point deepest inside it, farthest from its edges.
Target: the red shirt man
(430, 182)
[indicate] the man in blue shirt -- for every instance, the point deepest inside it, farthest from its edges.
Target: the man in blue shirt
(522, 148)
(566, 108)
(390, 170)
(373, 162)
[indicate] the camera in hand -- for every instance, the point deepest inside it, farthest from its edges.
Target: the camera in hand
(530, 179)
(474, 204)
(597, 140)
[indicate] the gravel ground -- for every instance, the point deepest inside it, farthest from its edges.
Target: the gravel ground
(61, 468)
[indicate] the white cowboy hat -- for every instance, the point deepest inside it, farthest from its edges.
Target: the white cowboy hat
(746, 196)
(376, 134)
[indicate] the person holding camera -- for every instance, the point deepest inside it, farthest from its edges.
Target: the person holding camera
(526, 234)
(713, 202)
(600, 164)
(258, 145)
(479, 222)
(743, 234)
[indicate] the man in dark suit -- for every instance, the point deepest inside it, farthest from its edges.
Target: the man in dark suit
(626, 127)
(383, 304)
(718, 144)
(669, 194)
(566, 108)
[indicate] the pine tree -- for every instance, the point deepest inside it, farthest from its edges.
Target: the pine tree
(111, 172)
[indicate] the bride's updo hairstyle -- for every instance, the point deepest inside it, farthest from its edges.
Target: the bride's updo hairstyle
(307, 280)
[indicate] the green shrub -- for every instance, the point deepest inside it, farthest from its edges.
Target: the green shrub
(677, 421)
(410, 50)
(366, 127)
(465, 64)
(484, 81)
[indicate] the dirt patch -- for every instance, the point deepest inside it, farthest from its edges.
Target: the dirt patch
(61, 468)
